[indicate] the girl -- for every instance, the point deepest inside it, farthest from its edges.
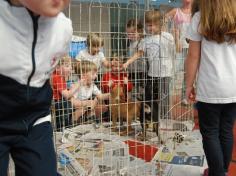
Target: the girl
(212, 54)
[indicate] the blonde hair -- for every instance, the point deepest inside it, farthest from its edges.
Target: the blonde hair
(153, 17)
(94, 39)
(65, 60)
(83, 67)
(218, 20)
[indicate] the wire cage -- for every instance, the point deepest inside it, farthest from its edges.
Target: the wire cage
(143, 114)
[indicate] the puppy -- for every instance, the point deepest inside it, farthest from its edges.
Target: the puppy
(123, 109)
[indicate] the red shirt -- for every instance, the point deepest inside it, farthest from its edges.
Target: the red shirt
(58, 85)
(117, 79)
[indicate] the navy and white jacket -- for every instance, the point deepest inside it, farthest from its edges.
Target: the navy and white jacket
(29, 49)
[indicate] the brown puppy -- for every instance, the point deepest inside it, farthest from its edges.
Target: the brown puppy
(122, 109)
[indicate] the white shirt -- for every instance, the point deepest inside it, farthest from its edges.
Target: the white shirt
(16, 37)
(85, 92)
(98, 59)
(140, 64)
(216, 82)
(159, 50)
(183, 30)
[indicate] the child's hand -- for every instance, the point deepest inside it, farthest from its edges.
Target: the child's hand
(110, 83)
(126, 80)
(125, 65)
(190, 94)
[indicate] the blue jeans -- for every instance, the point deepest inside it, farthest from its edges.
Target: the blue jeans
(216, 126)
(32, 151)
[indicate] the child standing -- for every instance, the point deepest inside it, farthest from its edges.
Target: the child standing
(211, 60)
(134, 29)
(138, 68)
(87, 72)
(157, 47)
(32, 33)
(115, 77)
(181, 18)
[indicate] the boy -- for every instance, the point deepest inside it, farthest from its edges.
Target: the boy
(62, 96)
(157, 47)
(33, 34)
(95, 42)
(115, 77)
(87, 72)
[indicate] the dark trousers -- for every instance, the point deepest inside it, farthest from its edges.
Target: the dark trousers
(157, 97)
(32, 151)
(216, 126)
(63, 113)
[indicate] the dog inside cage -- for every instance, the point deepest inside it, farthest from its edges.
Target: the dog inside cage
(117, 96)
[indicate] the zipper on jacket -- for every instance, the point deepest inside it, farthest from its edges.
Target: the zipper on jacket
(35, 36)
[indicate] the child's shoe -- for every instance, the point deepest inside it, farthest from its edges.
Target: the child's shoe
(205, 173)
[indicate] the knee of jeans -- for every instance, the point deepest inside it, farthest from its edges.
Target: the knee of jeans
(209, 134)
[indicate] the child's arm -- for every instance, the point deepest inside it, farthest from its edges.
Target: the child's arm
(104, 96)
(83, 103)
(99, 94)
(106, 63)
(128, 84)
(171, 13)
(106, 82)
(136, 55)
(69, 93)
(191, 66)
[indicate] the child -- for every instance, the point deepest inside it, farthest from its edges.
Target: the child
(115, 77)
(134, 29)
(138, 68)
(32, 34)
(158, 48)
(93, 53)
(211, 59)
(181, 18)
(62, 96)
(87, 72)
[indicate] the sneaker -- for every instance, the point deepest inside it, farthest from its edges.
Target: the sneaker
(205, 173)
(185, 102)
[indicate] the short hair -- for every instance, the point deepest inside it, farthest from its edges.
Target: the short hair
(85, 66)
(65, 60)
(135, 23)
(153, 16)
(94, 39)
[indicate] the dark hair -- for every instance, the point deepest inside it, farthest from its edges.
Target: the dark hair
(135, 24)
(195, 6)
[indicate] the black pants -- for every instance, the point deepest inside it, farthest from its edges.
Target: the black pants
(32, 151)
(157, 97)
(216, 126)
(63, 112)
